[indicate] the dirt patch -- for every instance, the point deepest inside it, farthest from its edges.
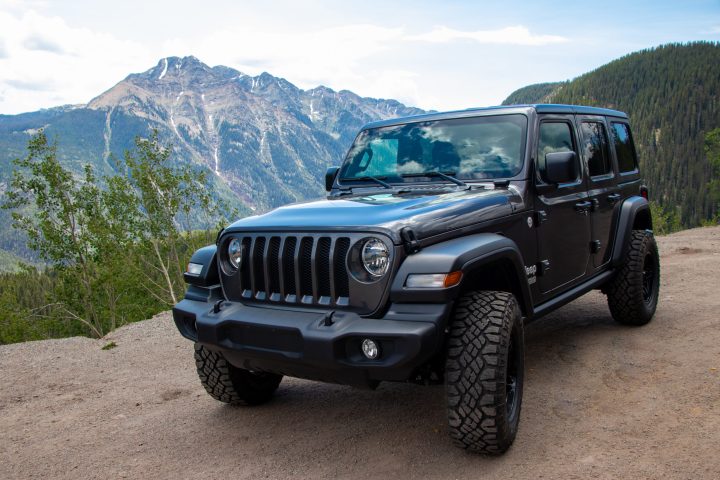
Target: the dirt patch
(689, 251)
(601, 401)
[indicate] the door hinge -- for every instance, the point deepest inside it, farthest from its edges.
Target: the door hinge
(595, 246)
(543, 267)
(541, 217)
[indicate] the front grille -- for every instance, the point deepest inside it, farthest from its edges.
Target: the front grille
(305, 269)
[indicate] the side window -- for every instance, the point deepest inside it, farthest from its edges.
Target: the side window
(554, 137)
(624, 147)
(595, 148)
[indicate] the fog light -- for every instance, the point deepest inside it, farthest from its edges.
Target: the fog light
(370, 349)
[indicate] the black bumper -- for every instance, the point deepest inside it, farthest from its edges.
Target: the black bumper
(299, 343)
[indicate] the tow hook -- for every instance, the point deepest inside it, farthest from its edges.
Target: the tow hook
(217, 306)
(327, 321)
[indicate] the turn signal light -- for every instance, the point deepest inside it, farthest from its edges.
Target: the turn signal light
(453, 278)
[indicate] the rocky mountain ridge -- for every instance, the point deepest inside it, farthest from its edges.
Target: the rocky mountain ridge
(265, 141)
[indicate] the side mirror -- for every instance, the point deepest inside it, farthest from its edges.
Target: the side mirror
(561, 167)
(330, 177)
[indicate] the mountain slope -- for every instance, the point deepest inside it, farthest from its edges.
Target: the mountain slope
(672, 94)
(266, 141)
(536, 93)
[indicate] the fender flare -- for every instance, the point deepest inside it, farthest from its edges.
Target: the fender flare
(634, 213)
(468, 254)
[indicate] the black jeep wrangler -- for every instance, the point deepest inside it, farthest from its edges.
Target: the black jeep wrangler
(441, 236)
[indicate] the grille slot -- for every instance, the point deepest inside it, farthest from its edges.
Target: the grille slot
(257, 274)
(288, 266)
(306, 288)
(322, 260)
(305, 269)
(342, 288)
(245, 272)
(273, 265)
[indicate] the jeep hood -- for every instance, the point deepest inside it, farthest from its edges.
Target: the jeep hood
(389, 212)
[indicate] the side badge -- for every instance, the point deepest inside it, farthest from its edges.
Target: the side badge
(530, 272)
(530, 222)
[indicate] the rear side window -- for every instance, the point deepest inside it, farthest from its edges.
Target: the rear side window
(624, 147)
(595, 148)
(554, 137)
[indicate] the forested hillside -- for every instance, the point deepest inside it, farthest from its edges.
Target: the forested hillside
(672, 94)
(537, 93)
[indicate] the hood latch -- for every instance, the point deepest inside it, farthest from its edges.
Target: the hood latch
(410, 241)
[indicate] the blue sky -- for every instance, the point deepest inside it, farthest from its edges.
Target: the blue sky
(435, 55)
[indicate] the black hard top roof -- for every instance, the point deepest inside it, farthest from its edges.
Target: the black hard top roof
(474, 112)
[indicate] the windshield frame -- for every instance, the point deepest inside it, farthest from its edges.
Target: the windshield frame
(345, 183)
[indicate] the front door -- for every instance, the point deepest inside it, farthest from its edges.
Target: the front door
(562, 213)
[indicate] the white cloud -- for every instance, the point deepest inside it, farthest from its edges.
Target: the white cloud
(308, 57)
(517, 35)
(39, 42)
(370, 60)
(45, 62)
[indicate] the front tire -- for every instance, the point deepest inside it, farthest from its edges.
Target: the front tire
(633, 293)
(484, 372)
(229, 384)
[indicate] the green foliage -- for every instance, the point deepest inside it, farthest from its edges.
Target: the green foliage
(115, 246)
(536, 93)
(712, 154)
(9, 262)
(665, 221)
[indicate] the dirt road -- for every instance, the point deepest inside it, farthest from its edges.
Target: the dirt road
(601, 401)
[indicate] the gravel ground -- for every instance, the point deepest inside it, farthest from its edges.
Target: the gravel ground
(601, 401)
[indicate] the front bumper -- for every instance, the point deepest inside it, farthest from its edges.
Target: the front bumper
(300, 343)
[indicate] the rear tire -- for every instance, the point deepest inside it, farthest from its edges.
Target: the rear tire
(633, 293)
(229, 384)
(484, 372)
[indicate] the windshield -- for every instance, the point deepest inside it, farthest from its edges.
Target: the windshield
(473, 148)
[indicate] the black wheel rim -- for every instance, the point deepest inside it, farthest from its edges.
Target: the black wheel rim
(511, 381)
(649, 275)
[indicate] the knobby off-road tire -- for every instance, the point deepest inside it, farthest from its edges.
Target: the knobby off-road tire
(484, 372)
(633, 293)
(230, 384)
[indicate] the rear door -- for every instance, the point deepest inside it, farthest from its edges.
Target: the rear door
(563, 223)
(602, 184)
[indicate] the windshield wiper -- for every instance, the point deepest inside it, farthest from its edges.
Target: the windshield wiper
(365, 179)
(442, 175)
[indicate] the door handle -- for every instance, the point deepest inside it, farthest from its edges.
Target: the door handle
(614, 198)
(583, 207)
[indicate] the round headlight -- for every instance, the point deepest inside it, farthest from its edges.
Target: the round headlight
(235, 253)
(375, 257)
